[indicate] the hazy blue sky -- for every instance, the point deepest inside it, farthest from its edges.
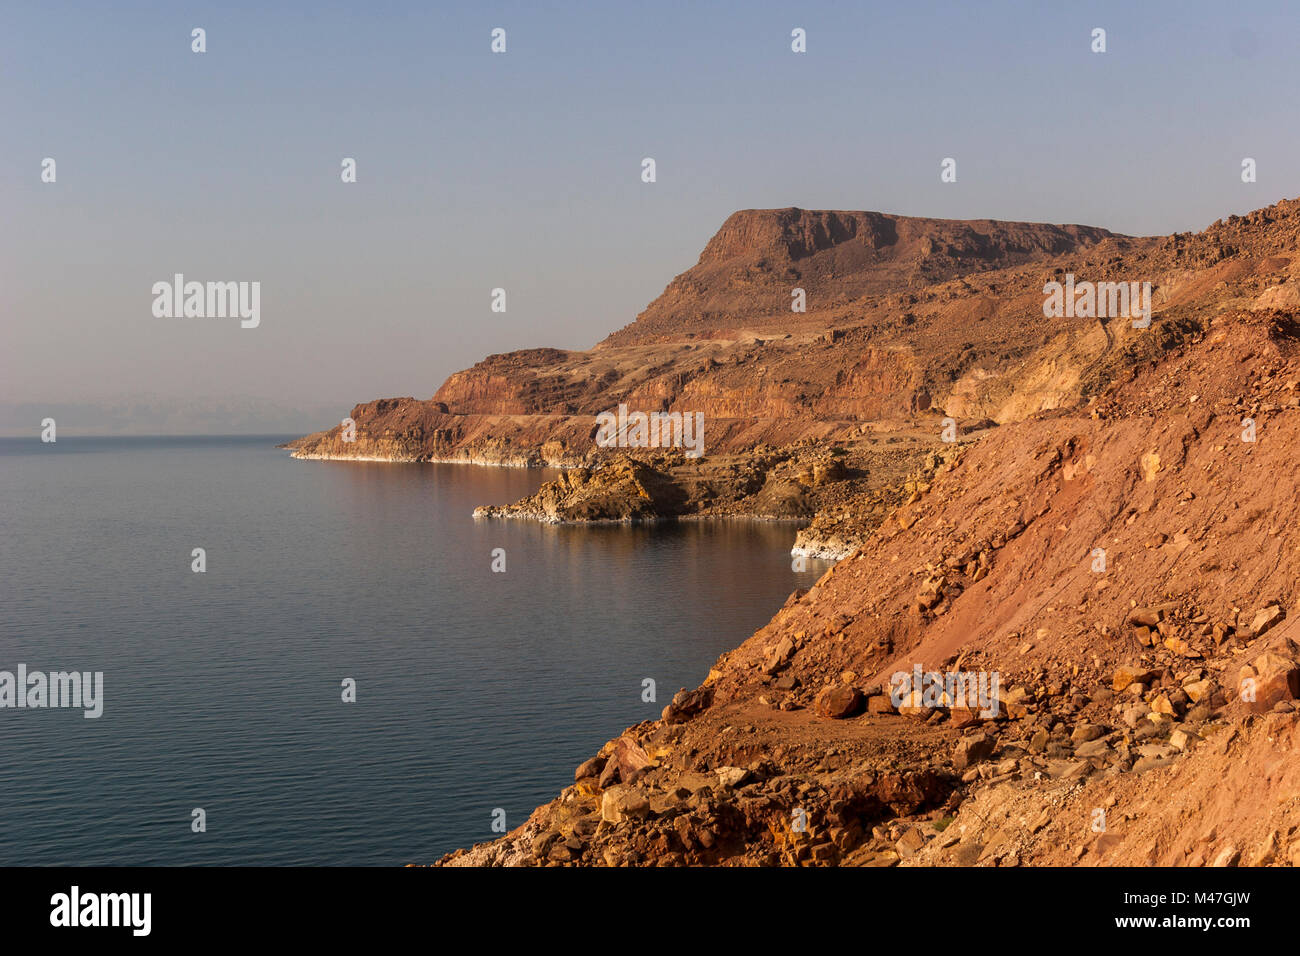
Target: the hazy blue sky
(522, 169)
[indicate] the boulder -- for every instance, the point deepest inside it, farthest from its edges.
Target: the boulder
(623, 803)
(1085, 732)
(880, 704)
(1265, 619)
(1092, 748)
(838, 702)
(589, 768)
(1131, 674)
(1146, 616)
(1276, 679)
(686, 704)
(630, 757)
(973, 749)
(909, 842)
(778, 656)
(732, 776)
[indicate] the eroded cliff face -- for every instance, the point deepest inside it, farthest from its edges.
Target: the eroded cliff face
(909, 322)
(903, 316)
(1120, 553)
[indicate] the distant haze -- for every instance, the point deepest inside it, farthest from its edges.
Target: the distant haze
(152, 414)
(521, 170)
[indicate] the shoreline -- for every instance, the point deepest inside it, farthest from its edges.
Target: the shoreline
(483, 463)
(831, 549)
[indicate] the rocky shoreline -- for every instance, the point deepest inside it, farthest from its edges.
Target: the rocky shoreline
(836, 498)
(527, 462)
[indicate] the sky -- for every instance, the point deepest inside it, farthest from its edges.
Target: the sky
(522, 170)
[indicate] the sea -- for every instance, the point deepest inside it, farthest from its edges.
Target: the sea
(361, 674)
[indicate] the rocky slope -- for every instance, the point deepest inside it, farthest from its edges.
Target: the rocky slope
(1127, 565)
(1122, 688)
(1102, 516)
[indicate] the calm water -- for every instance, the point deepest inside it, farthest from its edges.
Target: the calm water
(475, 690)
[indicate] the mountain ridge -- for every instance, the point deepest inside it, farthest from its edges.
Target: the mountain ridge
(722, 340)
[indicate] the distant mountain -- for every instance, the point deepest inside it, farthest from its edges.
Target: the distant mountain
(148, 414)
